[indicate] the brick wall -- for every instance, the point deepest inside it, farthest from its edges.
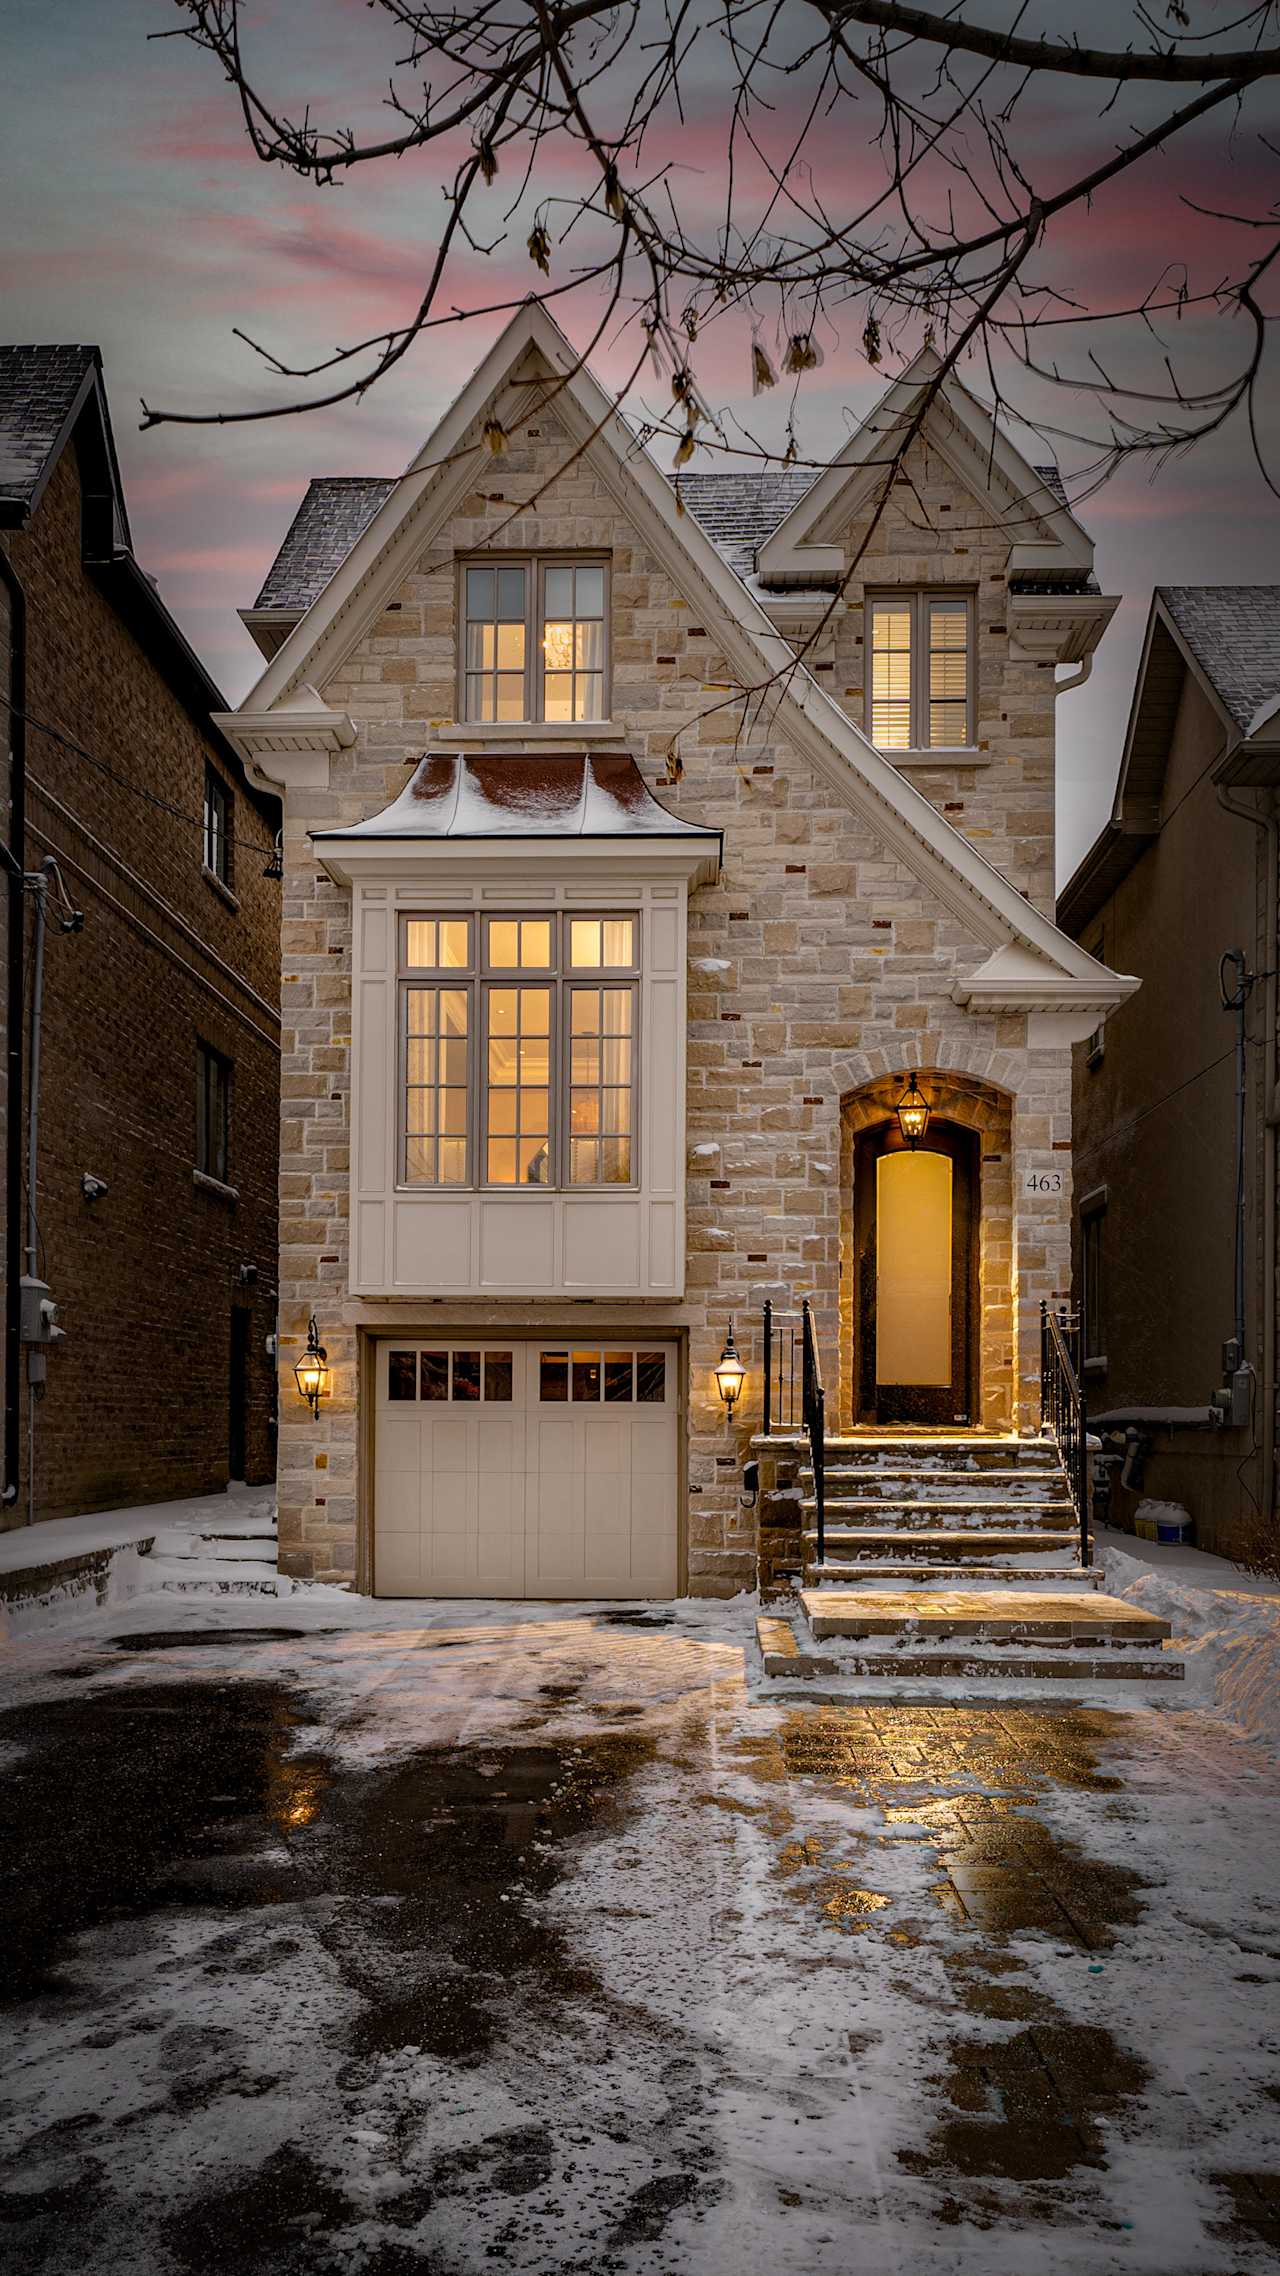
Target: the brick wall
(136, 1406)
(818, 966)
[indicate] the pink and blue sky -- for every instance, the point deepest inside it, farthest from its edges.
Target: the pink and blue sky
(137, 217)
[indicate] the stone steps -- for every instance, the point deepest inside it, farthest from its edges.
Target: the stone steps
(232, 1548)
(924, 1574)
(1060, 1621)
(862, 1670)
(857, 1544)
(844, 1513)
(994, 1486)
(945, 1452)
(187, 1575)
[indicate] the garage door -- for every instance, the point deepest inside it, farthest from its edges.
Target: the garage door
(525, 1469)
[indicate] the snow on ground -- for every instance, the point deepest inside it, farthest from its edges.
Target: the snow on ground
(1226, 1624)
(456, 1936)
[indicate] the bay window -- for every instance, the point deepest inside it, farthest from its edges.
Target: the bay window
(533, 645)
(518, 1036)
(920, 670)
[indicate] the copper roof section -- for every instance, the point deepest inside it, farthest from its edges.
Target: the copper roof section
(594, 794)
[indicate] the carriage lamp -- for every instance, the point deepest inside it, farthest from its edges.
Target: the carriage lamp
(730, 1373)
(311, 1372)
(913, 1112)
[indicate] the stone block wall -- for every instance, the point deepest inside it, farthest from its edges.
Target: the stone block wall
(817, 965)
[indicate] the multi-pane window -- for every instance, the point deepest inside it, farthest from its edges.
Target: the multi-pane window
(213, 1112)
(217, 826)
(534, 640)
(921, 671)
(518, 1042)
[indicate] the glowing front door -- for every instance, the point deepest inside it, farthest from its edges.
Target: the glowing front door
(913, 1269)
(916, 1225)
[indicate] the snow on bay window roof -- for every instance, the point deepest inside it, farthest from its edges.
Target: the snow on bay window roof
(550, 795)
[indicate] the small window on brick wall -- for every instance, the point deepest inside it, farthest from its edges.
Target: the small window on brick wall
(213, 1113)
(218, 804)
(920, 671)
(1093, 1322)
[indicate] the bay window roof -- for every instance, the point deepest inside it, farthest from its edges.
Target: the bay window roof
(590, 794)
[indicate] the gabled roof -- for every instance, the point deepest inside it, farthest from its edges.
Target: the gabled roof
(48, 395)
(1233, 631)
(1228, 638)
(42, 391)
(1028, 502)
(1033, 965)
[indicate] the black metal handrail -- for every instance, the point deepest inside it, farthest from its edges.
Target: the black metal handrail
(815, 1422)
(793, 1398)
(1063, 1410)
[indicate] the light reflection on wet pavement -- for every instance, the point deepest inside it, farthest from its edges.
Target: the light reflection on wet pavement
(534, 1945)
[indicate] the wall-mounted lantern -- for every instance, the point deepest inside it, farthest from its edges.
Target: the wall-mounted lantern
(913, 1111)
(311, 1372)
(730, 1373)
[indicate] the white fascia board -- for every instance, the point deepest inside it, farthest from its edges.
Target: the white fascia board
(423, 861)
(903, 819)
(1062, 628)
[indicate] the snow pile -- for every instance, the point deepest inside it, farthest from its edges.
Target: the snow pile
(1229, 1637)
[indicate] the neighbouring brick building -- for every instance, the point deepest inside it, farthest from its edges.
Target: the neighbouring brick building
(1175, 1235)
(601, 985)
(159, 1079)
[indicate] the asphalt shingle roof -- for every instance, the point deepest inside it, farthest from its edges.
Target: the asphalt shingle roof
(1233, 631)
(337, 509)
(38, 387)
(737, 511)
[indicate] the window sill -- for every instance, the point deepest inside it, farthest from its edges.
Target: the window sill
(960, 755)
(1095, 1367)
(219, 886)
(520, 1193)
(584, 731)
(206, 1184)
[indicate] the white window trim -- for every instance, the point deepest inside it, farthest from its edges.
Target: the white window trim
(918, 596)
(477, 978)
(535, 566)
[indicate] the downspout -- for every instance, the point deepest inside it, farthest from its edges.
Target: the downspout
(1078, 677)
(15, 862)
(1267, 955)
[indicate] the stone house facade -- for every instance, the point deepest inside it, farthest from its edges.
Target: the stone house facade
(160, 1259)
(802, 923)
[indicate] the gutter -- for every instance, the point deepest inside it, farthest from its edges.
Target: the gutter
(16, 996)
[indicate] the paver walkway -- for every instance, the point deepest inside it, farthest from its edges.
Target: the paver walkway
(520, 1939)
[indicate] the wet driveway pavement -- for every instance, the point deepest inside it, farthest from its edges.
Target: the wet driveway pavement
(527, 1942)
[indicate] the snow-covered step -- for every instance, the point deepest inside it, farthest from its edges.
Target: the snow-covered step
(875, 1451)
(234, 1548)
(1018, 1573)
(994, 1486)
(856, 1543)
(941, 1615)
(843, 1513)
(210, 1577)
(853, 1670)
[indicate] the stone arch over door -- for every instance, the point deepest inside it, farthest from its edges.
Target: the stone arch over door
(974, 1104)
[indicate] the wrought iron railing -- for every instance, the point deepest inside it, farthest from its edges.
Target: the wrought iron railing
(1063, 1411)
(793, 1394)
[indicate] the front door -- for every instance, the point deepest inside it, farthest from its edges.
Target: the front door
(916, 1229)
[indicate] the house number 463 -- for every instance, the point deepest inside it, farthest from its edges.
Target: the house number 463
(1042, 1181)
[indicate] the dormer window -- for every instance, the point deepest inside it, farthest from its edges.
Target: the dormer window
(533, 643)
(920, 671)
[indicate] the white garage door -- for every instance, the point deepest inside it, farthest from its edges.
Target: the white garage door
(525, 1469)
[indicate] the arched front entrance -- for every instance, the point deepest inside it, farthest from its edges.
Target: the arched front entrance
(928, 1316)
(917, 1220)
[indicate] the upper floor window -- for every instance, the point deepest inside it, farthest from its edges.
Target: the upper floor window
(1093, 1317)
(213, 1113)
(518, 1037)
(534, 640)
(217, 826)
(920, 662)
